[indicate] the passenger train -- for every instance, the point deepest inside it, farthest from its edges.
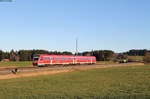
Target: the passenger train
(43, 60)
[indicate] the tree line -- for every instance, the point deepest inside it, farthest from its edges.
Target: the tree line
(101, 55)
(27, 55)
(137, 52)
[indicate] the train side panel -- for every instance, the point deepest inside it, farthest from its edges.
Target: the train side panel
(63, 59)
(85, 59)
(43, 60)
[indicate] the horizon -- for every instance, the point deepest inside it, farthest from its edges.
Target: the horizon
(54, 25)
(74, 51)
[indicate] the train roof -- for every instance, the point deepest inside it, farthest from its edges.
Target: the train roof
(37, 55)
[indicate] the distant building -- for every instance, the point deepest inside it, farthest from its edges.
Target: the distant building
(5, 60)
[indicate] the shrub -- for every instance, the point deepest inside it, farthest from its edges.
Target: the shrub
(147, 58)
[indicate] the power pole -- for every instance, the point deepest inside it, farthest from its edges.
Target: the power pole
(76, 46)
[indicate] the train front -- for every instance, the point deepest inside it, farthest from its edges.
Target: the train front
(35, 60)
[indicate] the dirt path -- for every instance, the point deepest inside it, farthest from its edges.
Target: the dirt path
(19, 75)
(64, 70)
(7, 67)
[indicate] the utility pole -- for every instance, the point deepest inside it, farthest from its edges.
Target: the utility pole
(76, 46)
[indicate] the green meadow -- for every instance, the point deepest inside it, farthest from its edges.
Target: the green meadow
(136, 58)
(17, 64)
(29, 63)
(131, 82)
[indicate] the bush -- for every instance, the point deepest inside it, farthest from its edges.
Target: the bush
(147, 58)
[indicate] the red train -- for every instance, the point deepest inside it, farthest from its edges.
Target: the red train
(42, 60)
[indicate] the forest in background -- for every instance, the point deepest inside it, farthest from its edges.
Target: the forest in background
(101, 55)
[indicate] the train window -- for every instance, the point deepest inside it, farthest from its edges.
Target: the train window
(41, 59)
(35, 59)
(85, 58)
(93, 59)
(45, 58)
(64, 59)
(57, 58)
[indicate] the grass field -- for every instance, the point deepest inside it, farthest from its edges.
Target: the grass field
(105, 62)
(136, 58)
(29, 63)
(108, 83)
(18, 64)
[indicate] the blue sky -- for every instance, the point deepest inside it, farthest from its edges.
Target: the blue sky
(117, 25)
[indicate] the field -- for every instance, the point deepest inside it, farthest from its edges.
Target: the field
(105, 62)
(29, 63)
(17, 64)
(130, 82)
(136, 58)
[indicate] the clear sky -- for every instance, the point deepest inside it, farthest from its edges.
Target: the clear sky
(117, 25)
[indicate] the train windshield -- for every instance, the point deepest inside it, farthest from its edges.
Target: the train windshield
(35, 59)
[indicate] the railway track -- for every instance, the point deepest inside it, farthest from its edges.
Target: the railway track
(6, 71)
